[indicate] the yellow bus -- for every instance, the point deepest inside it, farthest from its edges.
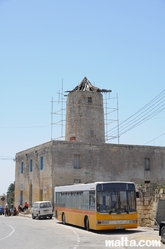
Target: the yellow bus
(98, 205)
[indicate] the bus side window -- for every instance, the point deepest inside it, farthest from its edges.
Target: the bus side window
(85, 200)
(91, 200)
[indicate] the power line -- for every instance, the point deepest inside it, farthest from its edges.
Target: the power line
(151, 109)
(155, 138)
(24, 127)
(7, 158)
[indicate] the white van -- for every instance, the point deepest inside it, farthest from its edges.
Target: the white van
(42, 209)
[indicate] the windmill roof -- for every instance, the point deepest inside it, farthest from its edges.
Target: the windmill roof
(86, 85)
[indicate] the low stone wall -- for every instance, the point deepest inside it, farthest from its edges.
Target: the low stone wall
(146, 212)
(147, 203)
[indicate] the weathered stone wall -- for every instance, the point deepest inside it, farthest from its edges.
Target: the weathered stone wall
(84, 118)
(147, 204)
(101, 162)
(108, 162)
(32, 183)
(146, 211)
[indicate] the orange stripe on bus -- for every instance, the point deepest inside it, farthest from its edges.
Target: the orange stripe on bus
(76, 211)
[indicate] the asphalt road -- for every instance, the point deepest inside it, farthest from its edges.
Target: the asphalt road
(25, 233)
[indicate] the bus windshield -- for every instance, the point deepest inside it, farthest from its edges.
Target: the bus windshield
(116, 201)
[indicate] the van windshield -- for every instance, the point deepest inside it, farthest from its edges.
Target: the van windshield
(45, 204)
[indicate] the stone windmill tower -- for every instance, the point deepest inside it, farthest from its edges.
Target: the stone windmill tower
(85, 114)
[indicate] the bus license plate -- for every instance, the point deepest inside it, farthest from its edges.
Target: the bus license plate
(119, 227)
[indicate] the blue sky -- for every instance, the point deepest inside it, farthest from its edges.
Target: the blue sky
(117, 45)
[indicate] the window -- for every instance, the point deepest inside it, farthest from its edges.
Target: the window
(31, 165)
(147, 164)
(72, 138)
(92, 200)
(41, 195)
(30, 194)
(77, 161)
(21, 186)
(89, 99)
(21, 197)
(147, 182)
(91, 133)
(41, 163)
(77, 180)
(22, 167)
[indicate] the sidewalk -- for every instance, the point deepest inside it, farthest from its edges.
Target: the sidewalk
(25, 214)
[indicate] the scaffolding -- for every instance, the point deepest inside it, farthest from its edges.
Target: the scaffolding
(111, 116)
(58, 118)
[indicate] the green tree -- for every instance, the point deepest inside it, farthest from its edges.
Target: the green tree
(10, 193)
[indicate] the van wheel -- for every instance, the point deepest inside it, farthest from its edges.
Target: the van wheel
(33, 217)
(63, 219)
(163, 234)
(87, 224)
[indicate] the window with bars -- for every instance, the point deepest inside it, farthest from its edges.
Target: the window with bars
(31, 165)
(89, 99)
(77, 180)
(41, 163)
(146, 164)
(22, 167)
(77, 161)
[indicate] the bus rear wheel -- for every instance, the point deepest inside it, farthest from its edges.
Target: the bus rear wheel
(87, 224)
(63, 219)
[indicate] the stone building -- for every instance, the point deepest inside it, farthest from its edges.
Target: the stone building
(83, 156)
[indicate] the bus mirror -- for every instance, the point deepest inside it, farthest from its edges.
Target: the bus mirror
(137, 194)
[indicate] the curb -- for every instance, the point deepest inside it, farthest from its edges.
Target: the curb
(25, 215)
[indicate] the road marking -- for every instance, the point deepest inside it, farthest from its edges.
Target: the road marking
(13, 230)
(77, 236)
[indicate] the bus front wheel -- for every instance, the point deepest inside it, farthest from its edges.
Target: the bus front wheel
(87, 223)
(163, 234)
(63, 219)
